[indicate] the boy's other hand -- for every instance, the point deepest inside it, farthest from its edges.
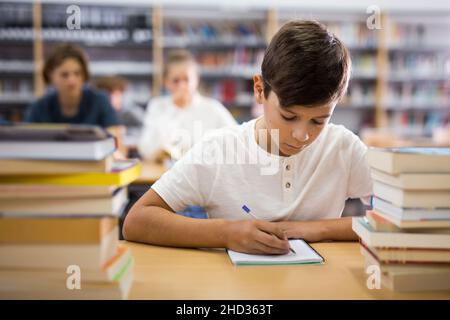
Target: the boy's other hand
(256, 237)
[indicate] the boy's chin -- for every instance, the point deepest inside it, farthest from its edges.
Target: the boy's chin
(287, 150)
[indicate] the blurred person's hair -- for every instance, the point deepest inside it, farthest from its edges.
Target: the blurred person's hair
(178, 56)
(111, 83)
(305, 64)
(60, 54)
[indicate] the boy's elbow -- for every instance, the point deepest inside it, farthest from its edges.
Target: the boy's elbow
(129, 228)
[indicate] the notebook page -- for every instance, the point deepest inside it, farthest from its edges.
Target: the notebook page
(304, 254)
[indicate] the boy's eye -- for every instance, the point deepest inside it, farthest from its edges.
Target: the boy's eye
(288, 118)
(318, 122)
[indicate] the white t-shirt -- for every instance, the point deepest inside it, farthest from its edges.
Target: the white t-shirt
(310, 185)
(176, 130)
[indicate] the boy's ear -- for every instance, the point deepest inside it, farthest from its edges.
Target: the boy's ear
(258, 88)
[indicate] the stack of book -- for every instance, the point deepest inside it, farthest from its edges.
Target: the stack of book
(61, 194)
(407, 232)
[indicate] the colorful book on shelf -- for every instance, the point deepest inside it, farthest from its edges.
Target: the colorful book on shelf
(55, 142)
(373, 238)
(29, 167)
(110, 205)
(122, 173)
(412, 198)
(410, 160)
(413, 181)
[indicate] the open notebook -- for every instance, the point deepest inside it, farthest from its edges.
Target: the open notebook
(304, 255)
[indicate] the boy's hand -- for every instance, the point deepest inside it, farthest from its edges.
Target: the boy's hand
(256, 237)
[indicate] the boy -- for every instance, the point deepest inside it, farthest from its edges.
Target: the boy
(174, 123)
(305, 72)
(130, 115)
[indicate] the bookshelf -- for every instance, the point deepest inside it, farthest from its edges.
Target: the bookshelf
(228, 47)
(400, 74)
(117, 39)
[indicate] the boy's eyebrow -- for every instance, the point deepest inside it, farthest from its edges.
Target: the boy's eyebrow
(319, 117)
(324, 116)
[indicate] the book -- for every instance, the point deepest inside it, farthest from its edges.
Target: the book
(111, 205)
(414, 181)
(392, 255)
(112, 270)
(400, 267)
(35, 191)
(409, 214)
(55, 142)
(405, 277)
(29, 167)
(372, 238)
(416, 282)
(383, 222)
(55, 288)
(54, 255)
(410, 160)
(51, 132)
(60, 230)
(412, 198)
(122, 173)
(305, 254)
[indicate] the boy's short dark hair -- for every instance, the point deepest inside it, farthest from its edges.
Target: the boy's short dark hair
(111, 83)
(306, 65)
(178, 56)
(60, 54)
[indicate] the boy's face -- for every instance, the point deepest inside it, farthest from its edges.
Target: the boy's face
(182, 82)
(298, 126)
(68, 77)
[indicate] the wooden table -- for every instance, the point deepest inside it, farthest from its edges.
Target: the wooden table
(173, 273)
(150, 173)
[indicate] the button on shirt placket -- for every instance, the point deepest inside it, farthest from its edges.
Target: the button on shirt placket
(288, 180)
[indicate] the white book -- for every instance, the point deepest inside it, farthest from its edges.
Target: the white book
(410, 213)
(398, 239)
(420, 226)
(55, 142)
(414, 181)
(66, 150)
(412, 198)
(304, 254)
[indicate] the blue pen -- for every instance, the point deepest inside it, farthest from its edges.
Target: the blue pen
(248, 211)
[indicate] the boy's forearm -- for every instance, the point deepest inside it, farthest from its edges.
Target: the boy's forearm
(159, 226)
(320, 230)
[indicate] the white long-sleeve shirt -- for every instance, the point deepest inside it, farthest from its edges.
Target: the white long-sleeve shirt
(175, 130)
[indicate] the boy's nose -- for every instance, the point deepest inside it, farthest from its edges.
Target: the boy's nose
(300, 134)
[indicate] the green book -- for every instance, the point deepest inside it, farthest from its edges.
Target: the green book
(304, 254)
